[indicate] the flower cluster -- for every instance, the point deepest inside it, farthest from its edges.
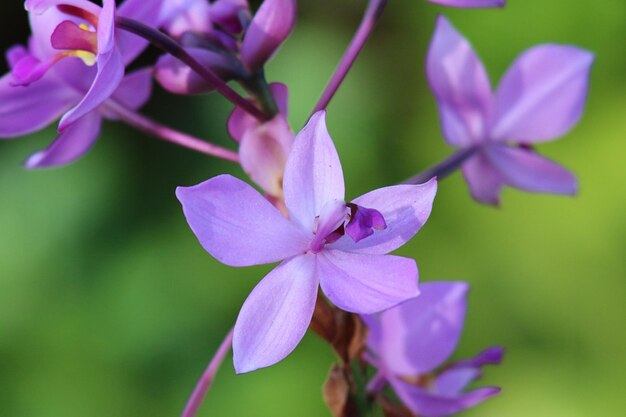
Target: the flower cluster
(370, 308)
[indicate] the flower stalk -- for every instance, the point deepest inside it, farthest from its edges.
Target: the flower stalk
(443, 168)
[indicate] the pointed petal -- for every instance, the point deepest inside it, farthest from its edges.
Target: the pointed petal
(25, 110)
(240, 120)
(109, 77)
(236, 225)
(543, 94)
(484, 181)
(269, 28)
(460, 84)
(313, 175)
(419, 335)
(276, 315)
(405, 209)
(529, 171)
(491, 356)
(263, 153)
(469, 3)
(135, 89)
(428, 404)
(176, 77)
(453, 381)
(148, 13)
(71, 144)
(366, 284)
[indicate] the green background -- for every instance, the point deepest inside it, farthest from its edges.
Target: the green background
(109, 306)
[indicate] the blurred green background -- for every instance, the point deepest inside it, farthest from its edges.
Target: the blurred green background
(110, 307)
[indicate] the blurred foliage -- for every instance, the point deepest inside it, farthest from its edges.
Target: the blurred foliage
(109, 306)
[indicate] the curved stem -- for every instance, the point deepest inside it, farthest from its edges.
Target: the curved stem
(168, 134)
(372, 14)
(444, 168)
(207, 377)
(169, 45)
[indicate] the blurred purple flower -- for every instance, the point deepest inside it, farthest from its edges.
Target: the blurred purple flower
(409, 342)
(470, 3)
(540, 98)
(236, 225)
(73, 65)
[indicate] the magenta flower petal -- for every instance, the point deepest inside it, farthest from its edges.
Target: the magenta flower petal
(405, 209)
(176, 77)
(135, 89)
(485, 182)
(491, 356)
(276, 315)
(422, 333)
(236, 225)
(147, 12)
(269, 28)
(70, 145)
(543, 94)
(313, 174)
(240, 121)
(432, 404)
(454, 381)
(180, 16)
(460, 84)
(263, 152)
(525, 169)
(470, 3)
(226, 14)
(366, 284)
(25, 110)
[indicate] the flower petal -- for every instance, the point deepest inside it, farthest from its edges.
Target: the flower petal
(135, 89)
(70, 145)
(543, 94)
(405, 209)
(313, 175)
(525, 169)
(491, 356)
(24, 110)
(276, 315)
(460, 84)
(454, 381)
(148, 13)
(428, 404)
(109, 77)
(226, 13)
(419, 335)
(236, 225)
(484, 181)
(269, 28)
(469, 3)
(240, 121)
(366, 284)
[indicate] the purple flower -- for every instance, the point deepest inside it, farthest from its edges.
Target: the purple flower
(470, 3)
(540, 98)
(409, 343)
(236, 225)
(264, 146)
(73, 67)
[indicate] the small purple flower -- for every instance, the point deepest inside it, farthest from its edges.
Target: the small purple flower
(264, 146)
(73, 66)
(540, 98)
(470, 3)
(409, 343)
(236, 225)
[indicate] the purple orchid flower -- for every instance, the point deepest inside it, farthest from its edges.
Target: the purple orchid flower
(470, 3)
(264, 146)
(74, 68)
(540, 98)
(211, 34)
(237, 226)
(409, 342)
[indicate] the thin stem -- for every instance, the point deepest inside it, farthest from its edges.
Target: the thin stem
(168, 134)
(443, 168)
(169, 45)
(207, 377)
(372, 14)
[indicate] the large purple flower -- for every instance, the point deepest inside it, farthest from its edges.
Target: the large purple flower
(325, 241)
(409, 343)
(73, 66)
(540, 98)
